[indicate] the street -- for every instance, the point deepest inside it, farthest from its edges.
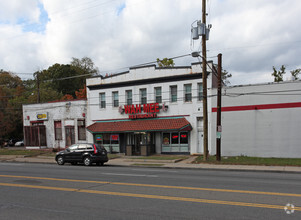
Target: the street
(48, 191)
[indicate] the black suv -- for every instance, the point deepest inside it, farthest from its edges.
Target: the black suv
(82, 153)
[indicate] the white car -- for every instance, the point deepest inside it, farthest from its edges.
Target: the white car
(19, 143)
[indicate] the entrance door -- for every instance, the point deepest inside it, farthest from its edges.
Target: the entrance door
(200, 135)
(70, 135)
(137, 144)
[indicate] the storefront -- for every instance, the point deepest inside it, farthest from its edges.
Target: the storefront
(143, 136)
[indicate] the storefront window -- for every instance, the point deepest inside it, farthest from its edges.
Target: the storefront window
(114, 139)
(175, 142)
(106, 138)
(166, 138)
(184, 138)
(175, 138)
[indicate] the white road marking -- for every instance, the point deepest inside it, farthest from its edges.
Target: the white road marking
(124, 174)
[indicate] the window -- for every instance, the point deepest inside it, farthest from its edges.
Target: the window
(143, 99)
(129, 97)
(58, 130)
(102, 100)
(166, 138)
(81, 129)
(183, 137)
(188, 95)
(158, 94)
(115, 99)
(173, 94)
(200, 91)
(175, 138)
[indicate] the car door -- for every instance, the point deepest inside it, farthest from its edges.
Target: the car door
(71, 152)
(80, 151)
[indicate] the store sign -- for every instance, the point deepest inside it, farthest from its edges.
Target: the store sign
(98, 137)
(42, 116)
(114, 137)
(140, 111)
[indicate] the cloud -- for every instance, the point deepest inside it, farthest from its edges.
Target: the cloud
(253, 36)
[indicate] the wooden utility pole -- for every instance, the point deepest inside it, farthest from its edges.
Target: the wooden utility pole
(38, 87)
(204, 76)
(219, 107)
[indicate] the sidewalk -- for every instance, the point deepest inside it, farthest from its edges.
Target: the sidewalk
(184, 164)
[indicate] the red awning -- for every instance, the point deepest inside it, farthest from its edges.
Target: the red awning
(173, 124)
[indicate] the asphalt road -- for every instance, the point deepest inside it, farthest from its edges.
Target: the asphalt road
(48, 191)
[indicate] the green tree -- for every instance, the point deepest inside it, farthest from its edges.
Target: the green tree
(225, 77)
(165, 62)
(295, 74)
(11, 89)
(278, 75)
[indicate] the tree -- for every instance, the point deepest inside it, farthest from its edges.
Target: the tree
(278, 75)
(11, 92)
(165, 62)
(295, 74)
(225, 77)
(85, 65)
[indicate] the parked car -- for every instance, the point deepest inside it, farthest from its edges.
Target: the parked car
(19, 143)
(82, 153)
(12, 141)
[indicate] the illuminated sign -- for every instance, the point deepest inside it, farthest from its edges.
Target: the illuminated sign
(140, 111)
(99, 137)
(114, 137)
(42, 116)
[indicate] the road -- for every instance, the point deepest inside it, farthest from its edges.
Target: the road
(48, 191)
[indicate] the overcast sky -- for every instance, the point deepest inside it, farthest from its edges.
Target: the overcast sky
(252, 35)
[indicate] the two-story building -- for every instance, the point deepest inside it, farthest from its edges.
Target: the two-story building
(149, 110)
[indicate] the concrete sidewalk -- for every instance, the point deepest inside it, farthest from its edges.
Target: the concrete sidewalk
(184, 164)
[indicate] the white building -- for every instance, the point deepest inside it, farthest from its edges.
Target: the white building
(54, 124)
(149, 110)
(261, 120)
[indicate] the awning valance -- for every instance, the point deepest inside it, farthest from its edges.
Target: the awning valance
(170, 124)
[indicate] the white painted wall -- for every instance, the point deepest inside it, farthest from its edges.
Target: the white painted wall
(193, 109)
(262, 133)
(66, 111)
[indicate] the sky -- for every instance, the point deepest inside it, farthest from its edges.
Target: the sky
(252, 35)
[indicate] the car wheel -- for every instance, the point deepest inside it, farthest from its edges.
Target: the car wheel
(87, 161)
(60, 160)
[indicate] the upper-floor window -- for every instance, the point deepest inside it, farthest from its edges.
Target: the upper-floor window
(173, 94)
(143, 98)
(158, 94)
(115, 99)
(102, 100)
(58, 130)
(188, 94)
(200, 91)
(129, 97)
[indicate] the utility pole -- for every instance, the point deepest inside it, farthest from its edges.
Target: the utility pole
(38, 87)
(204, 76)
(219, 107)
